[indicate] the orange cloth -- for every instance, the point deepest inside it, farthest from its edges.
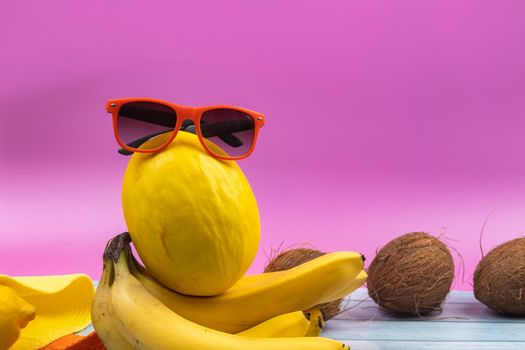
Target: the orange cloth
(76, 342)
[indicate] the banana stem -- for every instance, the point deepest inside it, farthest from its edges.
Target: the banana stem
(116, 246)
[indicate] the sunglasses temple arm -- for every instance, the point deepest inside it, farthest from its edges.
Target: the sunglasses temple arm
(229, 139)
(136, 143)
(225, 130)
(124, 152)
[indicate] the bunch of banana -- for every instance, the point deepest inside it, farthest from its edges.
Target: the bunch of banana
(131, 310)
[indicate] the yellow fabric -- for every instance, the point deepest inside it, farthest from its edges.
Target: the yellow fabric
(62, 302)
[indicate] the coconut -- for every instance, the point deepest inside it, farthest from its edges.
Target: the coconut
(411, 275)
(293, 257)
(499, 279)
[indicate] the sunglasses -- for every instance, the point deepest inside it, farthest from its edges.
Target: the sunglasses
(148, 125)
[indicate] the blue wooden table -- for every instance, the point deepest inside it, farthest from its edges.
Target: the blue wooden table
(463, 324)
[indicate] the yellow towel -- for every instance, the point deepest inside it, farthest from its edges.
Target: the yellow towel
(62, 302)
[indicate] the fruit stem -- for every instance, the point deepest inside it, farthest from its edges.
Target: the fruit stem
(116, 245)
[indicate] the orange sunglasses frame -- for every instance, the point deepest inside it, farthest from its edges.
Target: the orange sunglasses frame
(183, 112)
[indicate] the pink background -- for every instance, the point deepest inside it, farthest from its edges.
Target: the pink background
(383, 117)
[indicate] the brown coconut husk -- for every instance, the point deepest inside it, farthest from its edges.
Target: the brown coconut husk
(411, 275)
(499, 279)
(293, 257)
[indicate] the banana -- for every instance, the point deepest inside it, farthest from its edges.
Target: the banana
(101, 316)
(307, 323)
(147, 324)
(262, 297)
(316, 322)
(292, 324)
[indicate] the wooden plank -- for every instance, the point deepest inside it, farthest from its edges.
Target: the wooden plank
(455, 296)
(86, 330)
(419, 345)
(426, 331)
(460, 307)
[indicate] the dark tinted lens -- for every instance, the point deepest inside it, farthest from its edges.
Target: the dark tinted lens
(233, 131)
(139, 122)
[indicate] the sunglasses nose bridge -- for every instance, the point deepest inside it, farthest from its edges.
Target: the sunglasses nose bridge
(188, 113)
